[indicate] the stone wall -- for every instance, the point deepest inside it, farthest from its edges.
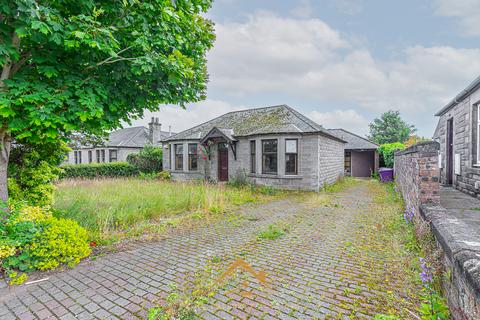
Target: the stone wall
(417, 175)
(331, 160)
(417, 178)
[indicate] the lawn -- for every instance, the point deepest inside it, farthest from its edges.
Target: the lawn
(116, 208)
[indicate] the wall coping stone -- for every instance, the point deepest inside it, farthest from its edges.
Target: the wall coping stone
(425, 148)
(459, 241)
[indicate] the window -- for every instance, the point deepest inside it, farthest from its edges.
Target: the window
(269, 156)
(113, 155)
(103, 154)
(78, 157)
(477, 127)
(98, 156)
(348, 163)
(90, 156)
(179, 157)
(253, 157)
(192, 157)
(291, 156)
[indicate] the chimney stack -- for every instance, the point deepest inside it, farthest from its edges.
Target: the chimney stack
(155, 131)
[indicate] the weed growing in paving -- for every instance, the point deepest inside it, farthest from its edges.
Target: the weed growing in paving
(273, 232)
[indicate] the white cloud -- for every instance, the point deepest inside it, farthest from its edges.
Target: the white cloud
(348, 119)
(268, 54)
(467, 11)
(306, 59)
(194, 114)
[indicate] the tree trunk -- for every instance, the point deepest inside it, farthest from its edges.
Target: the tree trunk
(6, 143)
(5, 138)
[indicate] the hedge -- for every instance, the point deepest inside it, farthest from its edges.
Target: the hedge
(96, 170)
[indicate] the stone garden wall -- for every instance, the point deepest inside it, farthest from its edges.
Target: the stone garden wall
(417, 178)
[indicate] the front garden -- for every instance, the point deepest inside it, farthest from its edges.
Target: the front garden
(88, 214)
(115, 209)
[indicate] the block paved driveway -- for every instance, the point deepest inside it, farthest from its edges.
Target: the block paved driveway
(310, 274)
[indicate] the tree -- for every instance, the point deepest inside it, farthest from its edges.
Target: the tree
(85, 66)
(390, 128)
(387, 152)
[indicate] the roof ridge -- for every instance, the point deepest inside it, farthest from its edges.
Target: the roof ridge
(356, 135)
(302, 117)
(222, 115)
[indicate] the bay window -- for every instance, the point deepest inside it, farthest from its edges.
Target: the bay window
(253, 157)
(192, 157)
(291, 156)
(269, 156)
(179, 157)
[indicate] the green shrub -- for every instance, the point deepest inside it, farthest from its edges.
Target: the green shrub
(148, 160)
(387, 152)
(61, 241)
(99, 170)
(164, 176)
(31, 239)
(32, 170)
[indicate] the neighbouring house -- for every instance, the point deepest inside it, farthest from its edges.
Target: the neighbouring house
(119, 144)
(275, 146)
(361, 155)
(459, 137)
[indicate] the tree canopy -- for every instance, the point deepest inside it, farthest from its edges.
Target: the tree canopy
(86, 66)
(390, 128)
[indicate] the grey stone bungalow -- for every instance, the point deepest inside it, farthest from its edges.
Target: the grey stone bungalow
(119, 144)
(275, 146)
(459, 137)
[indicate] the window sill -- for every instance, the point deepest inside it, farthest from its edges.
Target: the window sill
(180, 171)
(274, 176)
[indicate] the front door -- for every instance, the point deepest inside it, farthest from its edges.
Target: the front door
(222, 162)
(449, 159)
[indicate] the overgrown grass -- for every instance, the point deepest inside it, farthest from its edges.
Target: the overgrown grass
(340, 185)
(111, 206)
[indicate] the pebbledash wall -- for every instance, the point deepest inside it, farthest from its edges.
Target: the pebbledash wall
(417, 177)
(320, 161)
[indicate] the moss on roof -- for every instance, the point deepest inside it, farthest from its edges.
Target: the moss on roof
(275, 119)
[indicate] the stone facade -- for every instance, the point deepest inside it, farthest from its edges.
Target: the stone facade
(417, 178)
(464, 115)
(320, 161)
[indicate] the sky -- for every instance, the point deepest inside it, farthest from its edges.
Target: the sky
(340, 62)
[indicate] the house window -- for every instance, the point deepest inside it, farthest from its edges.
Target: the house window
(348, 163)
(113, 155)
(477, 127)
(291, 156)
(98, 156)
(78, 157)
(102, 152)
(269, 156)
(192, 157)
(90, 156)
(253, 157)
(179, 157)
